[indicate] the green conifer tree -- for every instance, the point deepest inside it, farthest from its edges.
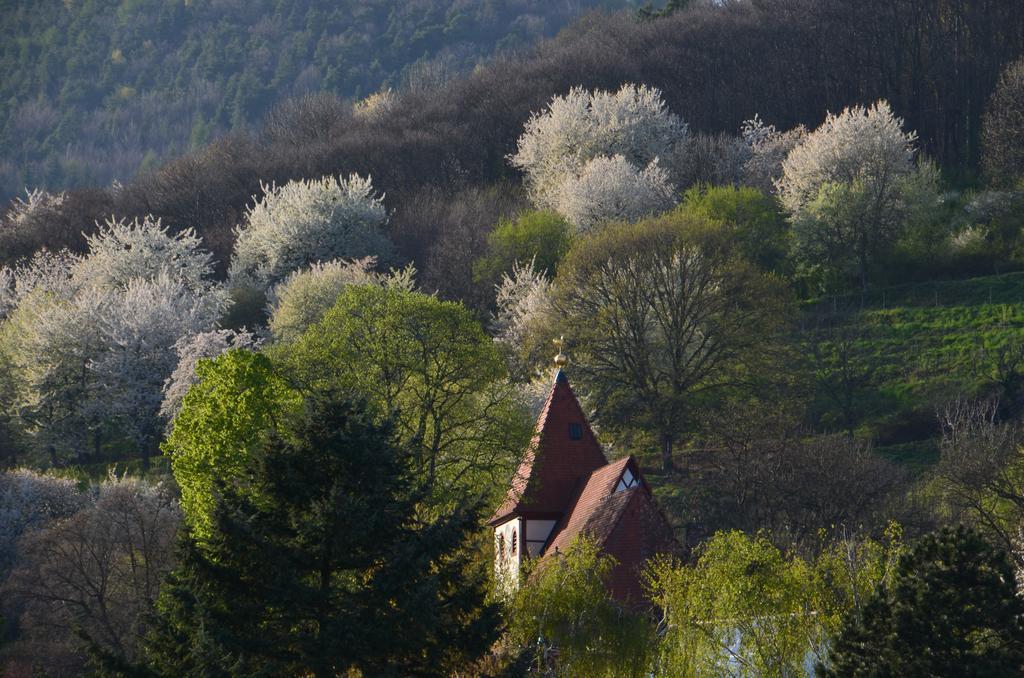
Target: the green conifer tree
(951, 610)
(323, 565)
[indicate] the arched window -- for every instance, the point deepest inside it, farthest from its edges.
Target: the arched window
(512, 549)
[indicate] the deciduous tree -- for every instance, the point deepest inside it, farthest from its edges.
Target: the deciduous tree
(429, 361)
(140, 326)
(565, 621)
(96, 574)
(660, 316)
(586, 144)
(305, 296)
(223, 417)
(747, 607)
(122, 251)
(847, 186)
(613, 189)
(1003, 127)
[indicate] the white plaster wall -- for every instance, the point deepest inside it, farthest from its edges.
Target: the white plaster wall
(507, 564)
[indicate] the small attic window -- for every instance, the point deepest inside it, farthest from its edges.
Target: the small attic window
(627, 481)
(575, 431)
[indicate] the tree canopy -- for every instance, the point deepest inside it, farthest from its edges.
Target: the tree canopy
(430, 364)
(660, 317)
(950, 609)
(316, 561)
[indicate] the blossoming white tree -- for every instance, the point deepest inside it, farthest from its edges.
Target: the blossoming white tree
(848, 185)
(140, 327)
(29, 501)
(31, 222)
(46, 271)
(36, 205)
(304, 222)
(122, 251)
(523, 298)
(49, 342)
(90, 339)
(630, 128)
(613, 189)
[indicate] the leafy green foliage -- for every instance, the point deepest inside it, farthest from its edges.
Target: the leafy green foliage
(951, 609)
(563, 616)
(753, 221)
(331, 570)
(430, 364)
(223, 419)
(747, 607)
(538, 236)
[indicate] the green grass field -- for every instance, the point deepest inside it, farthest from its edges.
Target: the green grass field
(891, 360)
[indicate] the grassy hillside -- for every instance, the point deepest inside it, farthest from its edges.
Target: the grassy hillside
(93, 90)
(886, 365)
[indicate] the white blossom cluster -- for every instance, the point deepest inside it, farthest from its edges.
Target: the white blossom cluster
(866, 146)
(123, 251)
(523, 301)
(304, 222)
(90, 339)
(46, 271)
(626, 130)
(613, 189)
(28, 501)
(852, 188)
(140, 326)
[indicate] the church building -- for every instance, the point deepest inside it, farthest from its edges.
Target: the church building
(565, 486)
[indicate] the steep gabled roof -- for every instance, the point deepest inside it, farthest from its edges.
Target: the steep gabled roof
(626, 524)
(556, 460)
(592, 508)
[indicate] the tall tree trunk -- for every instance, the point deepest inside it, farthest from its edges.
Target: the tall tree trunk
(667, 463)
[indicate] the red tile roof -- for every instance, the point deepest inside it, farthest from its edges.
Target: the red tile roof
(627, 525)
(554, 463)
(641, 531)
(571, 481)
(587, 510)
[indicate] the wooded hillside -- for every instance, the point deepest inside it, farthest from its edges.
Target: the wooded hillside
(96, 90)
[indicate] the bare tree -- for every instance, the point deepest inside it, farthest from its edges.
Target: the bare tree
(980, 472)
(95, 575)
(768, 473)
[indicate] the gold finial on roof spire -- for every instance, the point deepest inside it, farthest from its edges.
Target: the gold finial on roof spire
(561, 359)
